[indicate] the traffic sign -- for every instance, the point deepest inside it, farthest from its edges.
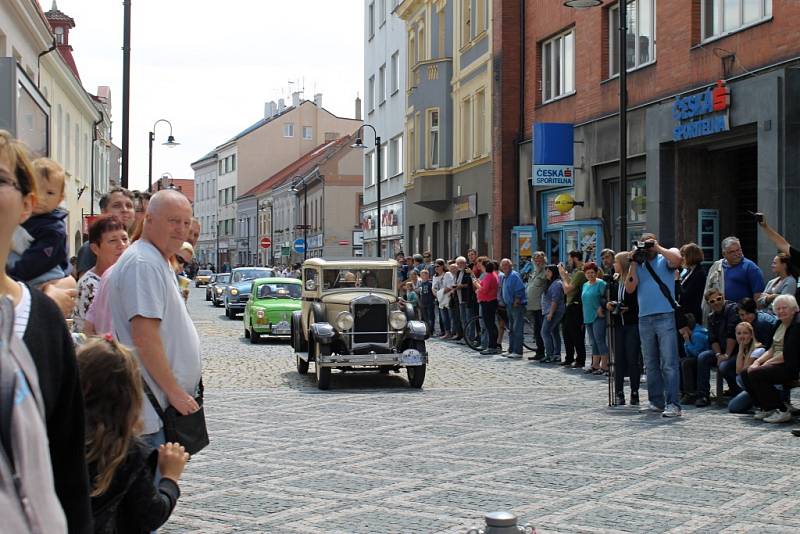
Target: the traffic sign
(299, 245)
(266, 242)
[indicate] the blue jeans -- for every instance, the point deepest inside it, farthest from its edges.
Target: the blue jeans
(741, 403)
(455, 320)
(551, 334)
(428, 316)
(660, 347)
(536, 318)
(466, 316)
(597, 336)
(444, 320)
(705, 361)
(515, 328)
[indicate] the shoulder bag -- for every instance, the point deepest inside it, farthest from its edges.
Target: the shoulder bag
(188, 430)
(680, 316)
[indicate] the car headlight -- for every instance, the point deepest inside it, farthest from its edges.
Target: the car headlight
(344, 321)
(218, 290)
(260, 314)
(234, 291)
(397, 320)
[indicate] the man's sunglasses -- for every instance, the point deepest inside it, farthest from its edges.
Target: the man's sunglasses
(715, 300)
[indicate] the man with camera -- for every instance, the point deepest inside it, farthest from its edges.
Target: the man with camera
(652, 275)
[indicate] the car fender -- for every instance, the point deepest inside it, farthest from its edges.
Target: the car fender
(408, 309)
(323, 333)
(416, 330)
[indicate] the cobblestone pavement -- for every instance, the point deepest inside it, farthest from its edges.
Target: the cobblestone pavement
(485, 434)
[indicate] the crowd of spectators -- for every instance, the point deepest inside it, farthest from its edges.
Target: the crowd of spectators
(79, 340)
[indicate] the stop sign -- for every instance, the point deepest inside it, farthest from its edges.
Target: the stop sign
(266, 242)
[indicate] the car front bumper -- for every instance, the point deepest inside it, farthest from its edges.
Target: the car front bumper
(407, 358)
(282, 330)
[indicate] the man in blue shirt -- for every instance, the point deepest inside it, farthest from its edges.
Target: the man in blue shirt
(742, 278)
(657, 328)
(515, 298)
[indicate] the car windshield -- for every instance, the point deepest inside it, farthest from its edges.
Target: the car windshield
(361, 278)
(203, 272)
(279, 291)
(223, 278)
(251, 274)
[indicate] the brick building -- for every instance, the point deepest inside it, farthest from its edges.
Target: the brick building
(695, 168)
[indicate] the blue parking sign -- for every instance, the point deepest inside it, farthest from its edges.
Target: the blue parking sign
(300, 245)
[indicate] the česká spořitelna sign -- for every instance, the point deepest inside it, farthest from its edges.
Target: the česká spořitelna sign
(703, 113)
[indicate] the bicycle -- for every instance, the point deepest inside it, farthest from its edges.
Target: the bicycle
(472, 334)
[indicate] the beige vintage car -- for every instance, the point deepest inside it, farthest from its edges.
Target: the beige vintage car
(352, 320)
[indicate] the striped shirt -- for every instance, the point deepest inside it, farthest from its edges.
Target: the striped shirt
(22, 312)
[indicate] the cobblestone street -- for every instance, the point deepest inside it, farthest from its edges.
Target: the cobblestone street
(486, 433)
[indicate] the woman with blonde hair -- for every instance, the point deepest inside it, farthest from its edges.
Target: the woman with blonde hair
(122, 467)
(749, 351)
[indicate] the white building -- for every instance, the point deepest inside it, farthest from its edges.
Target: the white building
(205, 208)
(384, 107)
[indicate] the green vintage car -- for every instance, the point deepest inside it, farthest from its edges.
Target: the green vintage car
(269, 309)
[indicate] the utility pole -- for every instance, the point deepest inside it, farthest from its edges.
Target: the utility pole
(126, 91)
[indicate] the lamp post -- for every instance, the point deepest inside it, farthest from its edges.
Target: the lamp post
(623, 110)
(269, 254)
(360, 144)
(296, 189)
(150, 138)
(247, 256)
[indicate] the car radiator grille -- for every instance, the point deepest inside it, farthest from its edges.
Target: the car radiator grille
(370, 318)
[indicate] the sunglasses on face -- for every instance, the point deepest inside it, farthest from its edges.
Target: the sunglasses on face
(715, 300)
(180, 259)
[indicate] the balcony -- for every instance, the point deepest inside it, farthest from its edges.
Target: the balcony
(432, 191)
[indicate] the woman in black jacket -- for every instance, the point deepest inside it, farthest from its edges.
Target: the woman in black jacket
(693, 281)
(779, 365)
(624, 309)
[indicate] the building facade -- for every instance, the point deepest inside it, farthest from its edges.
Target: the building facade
(384, 109)
(205, 208)
(449, 192)
(712, 115)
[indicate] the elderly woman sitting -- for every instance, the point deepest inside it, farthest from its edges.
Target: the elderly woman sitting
(779, 365)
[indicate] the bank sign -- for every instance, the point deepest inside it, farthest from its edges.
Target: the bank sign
(553, 155)
(702, 114)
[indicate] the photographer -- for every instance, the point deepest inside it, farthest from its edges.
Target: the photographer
(624, 309)
(652, 274)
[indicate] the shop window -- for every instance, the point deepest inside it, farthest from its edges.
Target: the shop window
(483, 234)
(640, 45)
(558, 66)
(719, 17)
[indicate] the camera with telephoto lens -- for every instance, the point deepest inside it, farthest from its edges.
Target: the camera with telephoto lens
(640, 251)
(616, 308)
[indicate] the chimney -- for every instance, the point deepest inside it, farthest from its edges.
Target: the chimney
(281, 104)
(269, 109)
(318, 100)
(358, 109)
(296, 98)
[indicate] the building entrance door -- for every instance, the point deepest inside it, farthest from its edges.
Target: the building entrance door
(746, 169)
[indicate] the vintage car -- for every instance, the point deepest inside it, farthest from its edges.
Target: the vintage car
(209, 285)
(218, 288)
(238, 289)
(203, 277)
(268, 312)
(352, 320)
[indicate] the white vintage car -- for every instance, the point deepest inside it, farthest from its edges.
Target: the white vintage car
(352, 320)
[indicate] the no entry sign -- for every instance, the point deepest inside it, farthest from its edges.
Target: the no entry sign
(266, 242)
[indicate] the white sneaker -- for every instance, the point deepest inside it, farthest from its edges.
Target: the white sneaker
(778, 416)
(671, 411)
(760, 414)
(651, 408)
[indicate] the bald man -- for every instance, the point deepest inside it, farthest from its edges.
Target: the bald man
(148, 312)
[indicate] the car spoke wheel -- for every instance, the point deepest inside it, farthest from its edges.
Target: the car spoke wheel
(472, 333)
(416, 374)
(323, 373)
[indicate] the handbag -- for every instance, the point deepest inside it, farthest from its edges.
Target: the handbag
(188, 430)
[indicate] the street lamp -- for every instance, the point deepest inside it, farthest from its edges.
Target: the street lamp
(150, 138)
(270, 254)
(623, 110)
(360, 144)
(296, 189)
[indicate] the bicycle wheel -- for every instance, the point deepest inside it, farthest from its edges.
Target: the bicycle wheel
(472, 333)
(528, 334)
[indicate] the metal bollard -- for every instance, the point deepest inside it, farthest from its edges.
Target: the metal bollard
(502, 523)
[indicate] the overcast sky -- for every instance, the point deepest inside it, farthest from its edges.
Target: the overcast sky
(209, 66)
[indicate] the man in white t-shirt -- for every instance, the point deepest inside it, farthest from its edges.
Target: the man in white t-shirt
(149, 314)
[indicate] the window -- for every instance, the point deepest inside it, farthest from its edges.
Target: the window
(466, 21)
(382, 12)
(640, 38)
(59, 31)
(395, 163)
(412, 149)
(371, 94)
(222, 167)
(394, 82)
(369, 175)
(233, 162)
(371, 19)
(421, 53)
(384, 159)
(219, 193)
(719, 17)
(558, 66)
(307, 131)
(433, 139)
(480, 17)
(382, 83)
(67, 137)
(60, 130)
(480, 123)
(288, 129)
(466, 129)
